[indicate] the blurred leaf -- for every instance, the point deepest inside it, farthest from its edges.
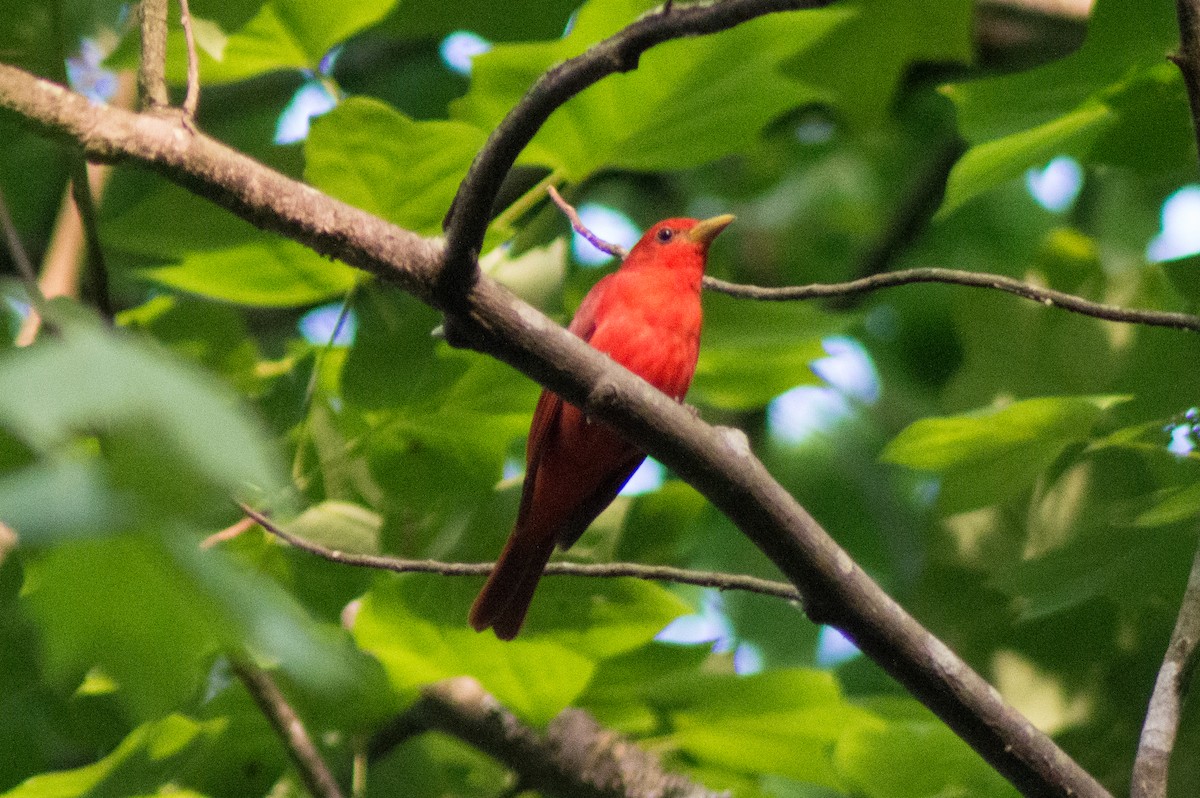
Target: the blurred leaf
(914, 758)
(783, 722)
(535, 275)
(340, 526)
(988, 455)
(147, 762)
(888, 32)
(1172, 506)
(680, 108)
(496, 21)
(1184, 275)
(751, 352)
(375, 158)
(1114, 101)
(416, 626)
(171, 437)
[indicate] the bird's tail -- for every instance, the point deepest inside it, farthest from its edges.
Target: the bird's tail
(506, 596)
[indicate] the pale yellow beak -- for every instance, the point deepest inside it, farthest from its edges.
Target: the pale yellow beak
(704, 232)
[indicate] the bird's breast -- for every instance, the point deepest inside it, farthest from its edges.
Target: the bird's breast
(659, 340)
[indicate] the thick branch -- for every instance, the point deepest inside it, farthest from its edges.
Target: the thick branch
(1046, 296)
(657, 573)
(1188, 57)
(472, 209)
(836, 590)
(287, 724)
(1170, 689)
(225, 176)
(577, 757)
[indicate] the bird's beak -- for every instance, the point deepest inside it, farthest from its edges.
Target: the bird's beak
(704, 232)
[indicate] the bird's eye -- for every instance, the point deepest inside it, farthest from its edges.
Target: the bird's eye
(665, 235)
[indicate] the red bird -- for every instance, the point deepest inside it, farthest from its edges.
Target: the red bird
(645, 316)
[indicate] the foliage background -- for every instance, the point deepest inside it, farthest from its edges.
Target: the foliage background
(1011, 482)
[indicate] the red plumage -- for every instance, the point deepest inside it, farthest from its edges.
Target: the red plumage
(646, 316)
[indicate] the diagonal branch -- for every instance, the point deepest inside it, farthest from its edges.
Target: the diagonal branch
(657, 573)
(577, 757)
(492, 320)
(1166, 702)
(471, 211)
(287, 724)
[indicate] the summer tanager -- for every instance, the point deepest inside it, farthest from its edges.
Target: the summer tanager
(646, 316)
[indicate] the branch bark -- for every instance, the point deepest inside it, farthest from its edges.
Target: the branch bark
(576, 758)
(1150, 768)
(491, 320)
(287, 724)
(152, 75)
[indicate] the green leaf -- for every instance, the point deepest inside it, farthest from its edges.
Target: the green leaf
(416, 626)
(989, 455)
(340, 526)
(988, 165)
(1114, 101)
(147, 762)
(266, 272)
(283, 34)
(903, 758)
(782, 722)
(751, 352)
(684, 105)
(894, 38)
(1171, 506)
(371, 156)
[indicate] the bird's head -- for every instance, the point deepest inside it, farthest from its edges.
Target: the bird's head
(677, 242)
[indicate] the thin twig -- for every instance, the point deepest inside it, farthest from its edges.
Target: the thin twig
(471, 211)
(578, 226)
(191, 99)
(576, 757)
(658, 573)
(83, 195)
(999, 282)
(287, 724)
(152, 72)
(20, 256)
(1150, 768)
(1046, 296)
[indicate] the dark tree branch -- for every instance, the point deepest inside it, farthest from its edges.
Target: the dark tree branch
(152, 74)
(577, 757)
(657, 573)
(97, 270)
(492, 320)
(471, 211)
(1170, 689)
(1188, 57)
(287, 724)
(18, 253)
(1046, 296)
